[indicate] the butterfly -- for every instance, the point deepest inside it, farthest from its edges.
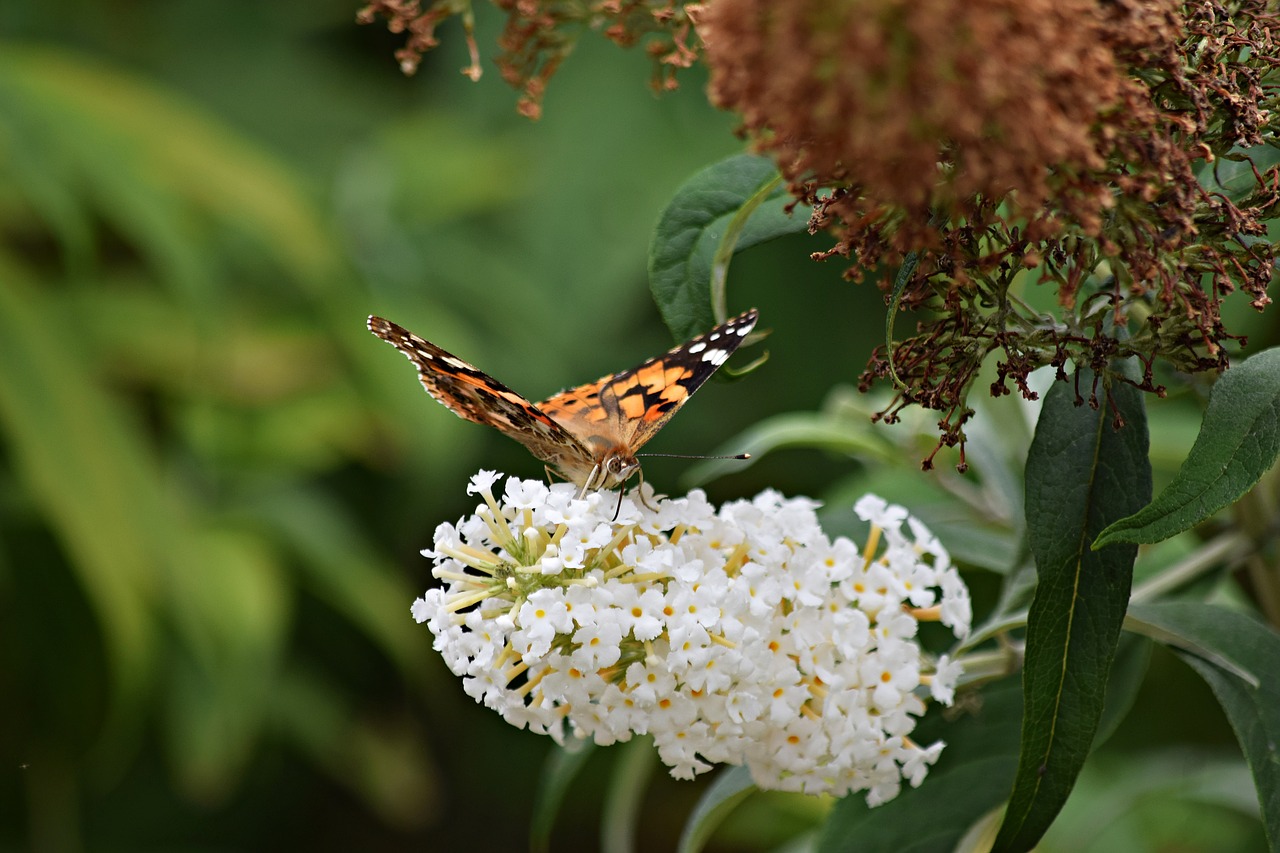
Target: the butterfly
(590, 433)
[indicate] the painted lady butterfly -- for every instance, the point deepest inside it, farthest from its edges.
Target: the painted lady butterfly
(591, 433)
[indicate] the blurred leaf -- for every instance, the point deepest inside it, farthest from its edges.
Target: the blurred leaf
(79, 457)
(693, 227)
(1081, 474)
(1154, 801)
(344, 570)
(971, 778)
(731, 787)
(75, 129)
(1252, 703)
(828, 431)
(383, 764)
(396, 203)
(562, 767)
(1128, 672)
(1238, 443)
(232, 606)
(624, 801)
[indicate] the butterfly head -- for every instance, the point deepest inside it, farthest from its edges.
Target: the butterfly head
(613, 465)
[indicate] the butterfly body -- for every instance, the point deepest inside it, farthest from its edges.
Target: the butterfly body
(589, 433)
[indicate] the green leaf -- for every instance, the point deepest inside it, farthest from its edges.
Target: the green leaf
(375, 758)
(1127, 675)
(1251, 699)
(732, 786)
(155, 165)
(828, 431)
(563, 765)
(79, 456)
(1081, 474)
(970, 779)
(624, 803)
(1238, 442)
(1235, 174)
(1155, 801)
(702, 222)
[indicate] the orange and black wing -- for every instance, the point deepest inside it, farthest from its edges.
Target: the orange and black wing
(476, 396)
(628, 408)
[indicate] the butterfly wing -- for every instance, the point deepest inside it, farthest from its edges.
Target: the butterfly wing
(476, 396)
(626, 409)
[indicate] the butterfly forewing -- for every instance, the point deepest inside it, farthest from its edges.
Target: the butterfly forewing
(629, 407)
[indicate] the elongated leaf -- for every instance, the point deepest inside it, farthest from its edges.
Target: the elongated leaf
(1251, 700)
(1081, 474)
(691, 229)
(1238, 442)
(731, 787)
(970, 779)
(149, 158)
(1127, 674)
(623, 806)
(79, 457)
(815, 430)
(563, 765)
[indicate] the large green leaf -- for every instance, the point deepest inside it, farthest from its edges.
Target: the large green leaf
(1251, 698)
(1238, 442)
(1082, 473)
(731, 206)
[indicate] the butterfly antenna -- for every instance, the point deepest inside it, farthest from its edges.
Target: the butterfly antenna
(687, 456)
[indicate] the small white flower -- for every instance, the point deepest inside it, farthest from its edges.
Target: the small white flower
(739, 635)
(482, 482)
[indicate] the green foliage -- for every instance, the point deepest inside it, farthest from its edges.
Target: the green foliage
(1246, 686)
(1238, 443)
(215, 483)
(729, 207)
(1081, 473)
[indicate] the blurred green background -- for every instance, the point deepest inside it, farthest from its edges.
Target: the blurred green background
(214, 482)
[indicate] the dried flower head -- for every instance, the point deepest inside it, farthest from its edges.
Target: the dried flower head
(973, 141)
(741, 635)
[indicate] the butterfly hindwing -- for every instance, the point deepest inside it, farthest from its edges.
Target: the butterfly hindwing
(476, 396)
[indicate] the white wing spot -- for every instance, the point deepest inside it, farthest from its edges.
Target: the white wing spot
(698, 347)
(457, 362)
(742, 331)
(714, 336)
(715, 356)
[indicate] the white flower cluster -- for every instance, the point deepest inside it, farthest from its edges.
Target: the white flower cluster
(740, 636)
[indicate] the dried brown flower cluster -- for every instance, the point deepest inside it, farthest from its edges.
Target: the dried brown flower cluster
(980, 139)
(539, 34)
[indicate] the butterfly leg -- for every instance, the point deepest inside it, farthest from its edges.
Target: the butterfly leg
(590, 484)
